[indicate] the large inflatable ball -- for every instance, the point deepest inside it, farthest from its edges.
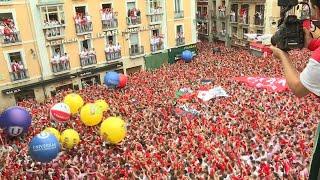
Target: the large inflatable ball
(111, 79)
(16, 120)
(69, 138)
(102, 104)
(187, 56)
(60, 112)
(113, 130)
(74, 101)
(123, 79)
(91, 114)
(53, 131)
(44, 147)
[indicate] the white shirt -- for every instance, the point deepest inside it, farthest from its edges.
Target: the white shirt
(310, 77)
(107, 49)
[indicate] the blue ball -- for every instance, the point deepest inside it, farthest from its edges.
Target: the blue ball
(187, 56)
(44, 147)
(16, 121)
(112, 79)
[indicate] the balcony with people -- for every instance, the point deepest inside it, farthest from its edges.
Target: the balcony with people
(134, 17)
(18, 71)
(233, 16)
(244, 15)
(113, 52)
(136, 50)
(180, 39)
(53, 23)
(54, 29)
(88, 57)
(9, 34)
(259, 19)
(83, 23)
(60, 62)
(222, 11)
(155, 14)
(109, 19)
(156, 44)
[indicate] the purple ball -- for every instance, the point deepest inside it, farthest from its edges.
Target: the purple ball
(2, 124)
(16, 121)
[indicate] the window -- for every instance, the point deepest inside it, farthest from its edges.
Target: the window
(9, 31)
(134, 43)
(85, 44)
(234, 31)
(107, 6)
(177, 5)
(179, 30)
(17, 66)
(131, 5)
(245, 31)
(134, 39)
(260, 32)
(57, 50)
(223, 25)
(81, 9)
(111, 40)
(234, 13)
(154, 5)
(52, 14)
(259, 15)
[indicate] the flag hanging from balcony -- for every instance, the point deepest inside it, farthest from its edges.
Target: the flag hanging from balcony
(269, 84)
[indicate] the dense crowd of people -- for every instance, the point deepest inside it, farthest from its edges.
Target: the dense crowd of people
(252, 134)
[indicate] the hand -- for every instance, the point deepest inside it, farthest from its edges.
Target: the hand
(278, 53)
(307, 37)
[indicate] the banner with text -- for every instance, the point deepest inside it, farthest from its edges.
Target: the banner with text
(269, 84)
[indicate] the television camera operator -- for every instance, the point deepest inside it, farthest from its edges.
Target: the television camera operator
(308, 81)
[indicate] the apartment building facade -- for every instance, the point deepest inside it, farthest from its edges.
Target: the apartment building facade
(230, 20)
(52, 45)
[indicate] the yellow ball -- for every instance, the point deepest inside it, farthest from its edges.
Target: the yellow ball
(91, 114)
(74, 101)
(53, 131)
(113, 130)
(102, 104)
(69, 138)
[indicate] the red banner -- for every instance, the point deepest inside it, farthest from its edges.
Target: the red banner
(270, 84)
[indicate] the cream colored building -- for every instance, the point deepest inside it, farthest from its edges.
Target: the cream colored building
(229, 20)
(54, 45)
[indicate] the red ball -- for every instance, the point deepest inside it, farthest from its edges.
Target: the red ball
(122, 81)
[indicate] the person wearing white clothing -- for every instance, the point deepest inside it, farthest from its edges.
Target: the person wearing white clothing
(107, 51)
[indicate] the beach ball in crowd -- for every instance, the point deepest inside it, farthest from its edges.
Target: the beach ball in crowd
(16, 121)
(123, 79)
(111, 79)
(53, 131)
(187, 56)
(69, 138)
(74, 101)
(113, 130)
(91, 114)
(102, 104)
(44, 147)
(60, 112)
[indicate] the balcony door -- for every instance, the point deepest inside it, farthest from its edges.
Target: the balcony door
(134, 43)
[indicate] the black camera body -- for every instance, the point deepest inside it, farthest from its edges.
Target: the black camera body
(290, 34)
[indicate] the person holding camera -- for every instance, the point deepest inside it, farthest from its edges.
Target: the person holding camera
(308, 81)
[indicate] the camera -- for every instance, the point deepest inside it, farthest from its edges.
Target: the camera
(290, 34)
